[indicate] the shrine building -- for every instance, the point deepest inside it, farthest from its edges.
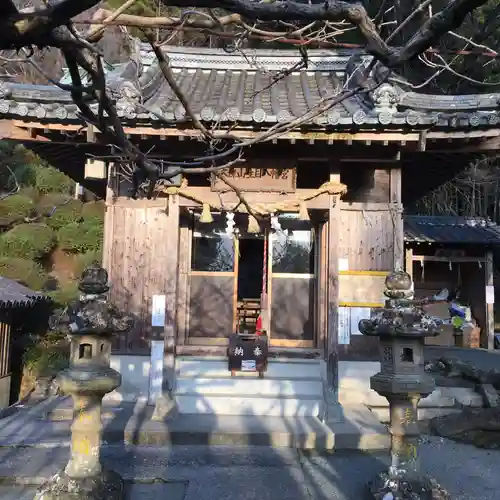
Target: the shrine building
(193, 266)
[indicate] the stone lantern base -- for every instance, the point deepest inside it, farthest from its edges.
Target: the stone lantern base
(424, 488)
(108, 485)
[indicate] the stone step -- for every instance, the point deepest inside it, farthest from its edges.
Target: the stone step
(222, 404)
(277, 369)
(251, 387)
(359, 430)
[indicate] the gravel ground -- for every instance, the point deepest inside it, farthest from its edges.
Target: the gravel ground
(199, 473)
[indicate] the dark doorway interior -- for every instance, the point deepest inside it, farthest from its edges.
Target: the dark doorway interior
(250, 268)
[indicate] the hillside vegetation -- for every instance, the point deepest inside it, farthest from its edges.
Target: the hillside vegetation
(47, 237)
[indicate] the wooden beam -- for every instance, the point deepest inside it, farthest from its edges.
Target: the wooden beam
(367, 206)
(469, 134)
(396, 136)
(8, 130)
(397, 218)
(230, 198)
(433, 258)
(490, 315)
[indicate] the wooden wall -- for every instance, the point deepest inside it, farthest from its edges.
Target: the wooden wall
(370, 239)
(140, 254)
(366, 237)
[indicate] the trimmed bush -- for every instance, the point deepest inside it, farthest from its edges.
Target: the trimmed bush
(66, 214)
(83, 260)
(81, 237)
(49, 203)
(50, 180)
(30, 192)
(15, 208)
(48, 356)
(27, 272)
(94, 210)
(31, 241)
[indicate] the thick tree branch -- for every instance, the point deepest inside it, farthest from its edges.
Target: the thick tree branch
(23, 28)
(450, 18)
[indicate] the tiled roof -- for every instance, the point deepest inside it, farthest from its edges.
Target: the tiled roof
(238, 88)
(448, 229)
(13, 294)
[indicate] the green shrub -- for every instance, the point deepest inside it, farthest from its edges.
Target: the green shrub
(15, 208)
(94, 210)
(48, 356)
(31, 241)
(50, 180)
(83, 260)
(65, 294)
(81, 237)
(26, 272)
(66, 214)
(30, 192)
(51, 202)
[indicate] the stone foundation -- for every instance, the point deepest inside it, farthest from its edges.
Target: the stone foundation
(425, 488)
(108, 485)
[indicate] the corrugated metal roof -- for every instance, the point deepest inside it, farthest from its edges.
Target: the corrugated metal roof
(449, 229)
(13, 294)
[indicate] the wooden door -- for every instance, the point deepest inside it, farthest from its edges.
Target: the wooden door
(292, 285)
(212, 284)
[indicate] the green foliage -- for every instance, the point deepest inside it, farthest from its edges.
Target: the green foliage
(81, 237)
(30, 192)
(51, 202)
(50, 180)
(64, 215)
(48, 356)
(32, 241)
(20, 169)
(83, 260)
(15, 208)
(94, 210)
(27, 272)
(65, 294)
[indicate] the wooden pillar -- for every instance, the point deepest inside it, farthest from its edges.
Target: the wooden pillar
(107, 250)
(333, 289)
(166, 403)
(490, 317)
(397, 218)
(172, 266)
(409, 261)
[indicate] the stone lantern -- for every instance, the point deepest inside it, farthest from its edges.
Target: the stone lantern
(91, 323)
(402, 327)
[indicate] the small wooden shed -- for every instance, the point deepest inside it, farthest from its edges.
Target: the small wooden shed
(14, 298)
(455, 253)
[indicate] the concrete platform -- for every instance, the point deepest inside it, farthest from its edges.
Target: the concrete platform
(132, 424)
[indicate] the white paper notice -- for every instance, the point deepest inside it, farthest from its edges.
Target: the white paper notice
(158, 310)
(490, 294)
(156, 370)
(357, 314)
(343, 264)
(344, 325)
